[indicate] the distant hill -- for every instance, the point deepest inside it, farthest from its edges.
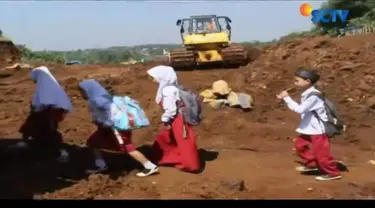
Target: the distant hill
(115, 54)
(153, 49)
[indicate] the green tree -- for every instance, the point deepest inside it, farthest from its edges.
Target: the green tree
(357, 8)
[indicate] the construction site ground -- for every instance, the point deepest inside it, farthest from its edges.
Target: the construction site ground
(247, 155)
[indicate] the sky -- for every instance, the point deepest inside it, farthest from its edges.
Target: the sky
(71, 25)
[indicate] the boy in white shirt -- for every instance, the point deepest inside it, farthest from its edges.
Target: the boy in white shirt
(312, 144)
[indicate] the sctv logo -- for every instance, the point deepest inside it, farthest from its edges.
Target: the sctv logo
(323, 15)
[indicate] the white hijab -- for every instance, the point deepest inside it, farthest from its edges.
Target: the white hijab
(48, 91)
(165, 75)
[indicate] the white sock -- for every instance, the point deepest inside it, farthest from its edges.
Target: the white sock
(149, 165)
(100, 163)
(64, 153)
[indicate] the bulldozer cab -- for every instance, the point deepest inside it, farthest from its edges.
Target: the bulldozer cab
(204, 24)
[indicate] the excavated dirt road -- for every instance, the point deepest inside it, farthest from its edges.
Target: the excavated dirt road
(246, 154)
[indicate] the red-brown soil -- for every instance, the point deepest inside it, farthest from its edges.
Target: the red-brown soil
(254, 148)
(9, 54)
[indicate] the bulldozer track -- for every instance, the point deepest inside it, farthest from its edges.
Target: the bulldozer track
(235, 54)
(181, 57)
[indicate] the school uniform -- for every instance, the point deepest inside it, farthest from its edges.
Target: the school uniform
(175, 146)
(99, 101)
(313, 144)
(42, 127)
(49, 107)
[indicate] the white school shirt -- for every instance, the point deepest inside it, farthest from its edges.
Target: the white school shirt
(170, 97)
(310, 125)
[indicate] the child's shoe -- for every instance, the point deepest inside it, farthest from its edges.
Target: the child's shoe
(146, 172)
(19, 145)
(327, 177)
(64, 156)
(97, 170)
(63, 159)
(304, 169)
(100, 165)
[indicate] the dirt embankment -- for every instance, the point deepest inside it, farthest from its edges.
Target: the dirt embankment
(242, 150)
(9, 54)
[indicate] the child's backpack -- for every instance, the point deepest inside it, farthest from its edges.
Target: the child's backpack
(126, 114)
(335, 125)
(193, 111)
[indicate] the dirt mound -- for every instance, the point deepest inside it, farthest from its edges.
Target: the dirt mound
(241, 150)
(9, 54)
(347, 75)
(253, 53)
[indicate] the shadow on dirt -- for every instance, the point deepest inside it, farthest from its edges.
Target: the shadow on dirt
(26, 173)
(29, 172)
(206, 156)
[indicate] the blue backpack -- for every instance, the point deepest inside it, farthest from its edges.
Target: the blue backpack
(126, 114)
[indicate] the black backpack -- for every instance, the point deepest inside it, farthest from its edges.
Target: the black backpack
(335, 125)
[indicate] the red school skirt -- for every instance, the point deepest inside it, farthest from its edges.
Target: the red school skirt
(104, 138)
(177, 146)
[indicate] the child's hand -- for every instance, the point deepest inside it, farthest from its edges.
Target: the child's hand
(282, 94)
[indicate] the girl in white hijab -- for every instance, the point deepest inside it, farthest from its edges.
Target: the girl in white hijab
(175, 143)
(49, 106)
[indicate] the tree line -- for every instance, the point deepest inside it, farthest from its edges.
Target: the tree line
(361, 14)
(90, 56)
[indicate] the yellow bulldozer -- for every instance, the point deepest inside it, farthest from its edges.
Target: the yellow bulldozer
(206, 40)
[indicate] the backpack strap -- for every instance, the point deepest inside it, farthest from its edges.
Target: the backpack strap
(333, 111)
(319, 95)
(180, 105)
(179, 87)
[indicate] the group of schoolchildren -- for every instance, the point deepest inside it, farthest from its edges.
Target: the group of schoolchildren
(175, 143)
